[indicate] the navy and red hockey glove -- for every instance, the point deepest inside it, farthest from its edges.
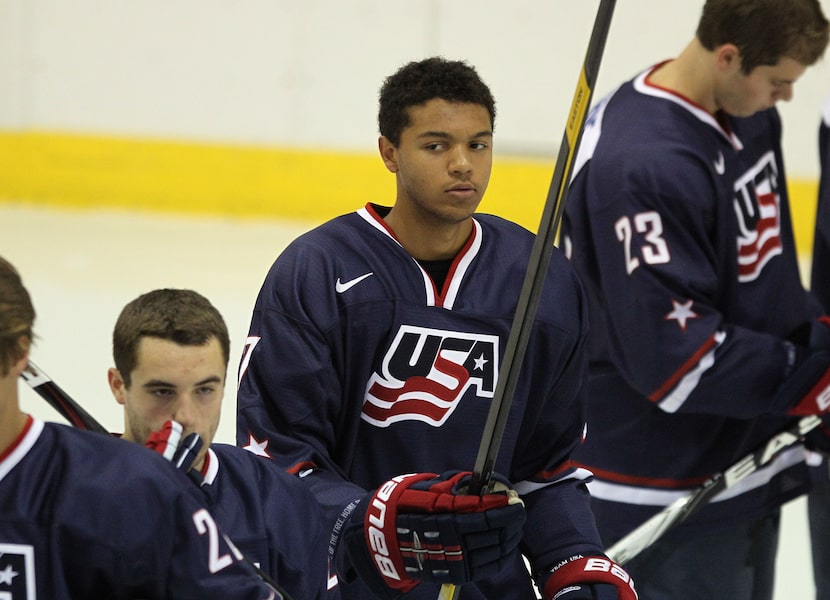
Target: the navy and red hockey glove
(818, 440)
(820, 334)
(589, 578)
(807, 390)
(181, 451)
(423, 527)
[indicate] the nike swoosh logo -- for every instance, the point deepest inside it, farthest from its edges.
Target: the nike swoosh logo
(720, 164)
(341, 287)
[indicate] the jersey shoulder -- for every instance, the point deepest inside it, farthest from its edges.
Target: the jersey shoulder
(93, 461)
(562, 300)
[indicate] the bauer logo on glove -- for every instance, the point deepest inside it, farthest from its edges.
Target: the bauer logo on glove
(589, 578)
(422, 527)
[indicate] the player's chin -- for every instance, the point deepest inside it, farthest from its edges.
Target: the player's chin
(748, 111)
(459, 214)
(464, 203)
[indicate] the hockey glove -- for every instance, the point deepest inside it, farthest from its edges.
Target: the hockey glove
(589, 578)
(422, 527)
(820, 334)
(807, 390)
(818, 440)
(168, 442)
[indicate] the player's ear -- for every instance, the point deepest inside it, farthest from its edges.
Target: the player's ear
(728, 57)
(388, 153)
(117, 385)
(19, 364)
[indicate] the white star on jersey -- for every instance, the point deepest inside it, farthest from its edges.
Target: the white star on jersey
(681, 313)
(257, 447)
(480, 362)
(7, 574)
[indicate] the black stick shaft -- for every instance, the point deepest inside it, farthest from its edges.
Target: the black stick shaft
(60, 400)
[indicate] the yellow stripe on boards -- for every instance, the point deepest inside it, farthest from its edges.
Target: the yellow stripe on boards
(803, 198)
(96, 171)
(80, 171)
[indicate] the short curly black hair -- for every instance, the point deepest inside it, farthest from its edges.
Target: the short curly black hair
(418, 82)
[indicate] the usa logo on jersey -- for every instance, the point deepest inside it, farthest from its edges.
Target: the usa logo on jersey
(426, 372)
(17, 572)
(757, 204)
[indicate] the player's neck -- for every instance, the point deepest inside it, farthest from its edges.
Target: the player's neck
(428, 240)
(12, 421)
(689, 75)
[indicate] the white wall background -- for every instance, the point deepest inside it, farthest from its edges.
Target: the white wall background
(306, 72)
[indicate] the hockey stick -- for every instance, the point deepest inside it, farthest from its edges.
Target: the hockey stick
(540, 256)
(60, 400)
(81, 419)
(648, 532)
(538, 264)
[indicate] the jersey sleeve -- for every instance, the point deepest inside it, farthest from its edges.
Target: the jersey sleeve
(560, 522)
(559, 538)
(299, 537)
(289, 396)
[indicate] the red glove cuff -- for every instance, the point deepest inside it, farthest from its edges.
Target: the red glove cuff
(588, 570)
(817, 400)
(379, 526)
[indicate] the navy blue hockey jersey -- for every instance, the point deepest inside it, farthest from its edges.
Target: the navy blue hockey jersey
(678, 224)
(359, 369)
(820, 276)
(87, 516)
(271, 517)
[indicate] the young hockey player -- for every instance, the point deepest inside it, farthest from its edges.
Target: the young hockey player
(85, 515)
(374, 351)
(700, 348)
(171, 350)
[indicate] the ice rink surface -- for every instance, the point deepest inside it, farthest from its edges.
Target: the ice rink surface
(81, 267)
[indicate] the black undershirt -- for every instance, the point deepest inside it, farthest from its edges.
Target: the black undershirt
(437, 270)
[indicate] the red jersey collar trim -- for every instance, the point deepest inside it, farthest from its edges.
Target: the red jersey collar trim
(647, 81)
(379, 222)
(211, 467)
(643, 84)
(18, 449)
(17, 441)
(446, 298)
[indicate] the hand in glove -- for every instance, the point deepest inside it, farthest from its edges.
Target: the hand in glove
(168, 442)
(818, 440)
(820, 334)
(807, 390)
(423, 527)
